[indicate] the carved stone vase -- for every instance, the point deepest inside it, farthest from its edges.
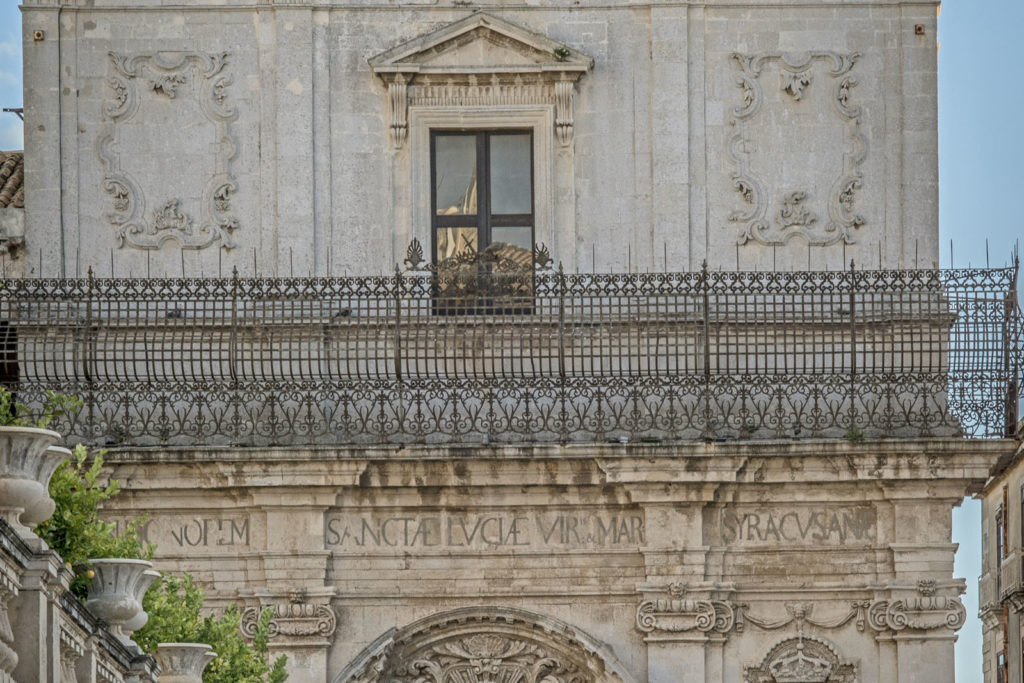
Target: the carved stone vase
(114, 594)
(139, 620)
(27, 461)
(183, 662)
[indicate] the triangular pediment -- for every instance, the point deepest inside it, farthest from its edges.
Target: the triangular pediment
(480, 44)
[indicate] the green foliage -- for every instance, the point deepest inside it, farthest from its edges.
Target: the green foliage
(855, 435)
(14, 414)
(75, 530)
(174, 605)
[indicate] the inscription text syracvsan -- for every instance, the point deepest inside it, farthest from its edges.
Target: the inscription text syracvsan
(814, 526)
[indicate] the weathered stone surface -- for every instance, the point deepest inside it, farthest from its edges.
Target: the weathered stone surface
(714, 554)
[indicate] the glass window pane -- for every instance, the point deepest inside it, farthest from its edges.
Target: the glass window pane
(452, 242)
(514, 244)
(511, 190)
(455, 174)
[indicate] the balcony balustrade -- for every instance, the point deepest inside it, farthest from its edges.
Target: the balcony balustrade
(412, 358)
(1011, 588)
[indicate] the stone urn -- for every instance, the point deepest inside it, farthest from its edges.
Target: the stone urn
(183, 662)
(139, 620)
(114, 592)
(27, 461)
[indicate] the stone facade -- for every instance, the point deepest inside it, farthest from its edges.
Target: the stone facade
(1001, 586)
(285, 138)
(731, 562)
(751, 134)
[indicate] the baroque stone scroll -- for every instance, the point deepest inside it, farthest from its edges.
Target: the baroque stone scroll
(810, 128)
(169, 111)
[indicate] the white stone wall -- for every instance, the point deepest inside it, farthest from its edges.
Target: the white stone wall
(647, 182)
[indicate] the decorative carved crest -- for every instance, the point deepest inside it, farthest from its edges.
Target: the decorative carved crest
(482, 645)
(183, 77)
(480, 61)
(803, 659)
(793, 217)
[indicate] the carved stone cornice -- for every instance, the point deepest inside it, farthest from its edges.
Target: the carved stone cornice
(991, 616)
(301, 618)
(515, 67)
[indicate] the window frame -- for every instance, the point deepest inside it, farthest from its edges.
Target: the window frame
(485, 220)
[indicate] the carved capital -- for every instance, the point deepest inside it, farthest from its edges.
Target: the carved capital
(681, 614)
(922, 611)
(297, 616)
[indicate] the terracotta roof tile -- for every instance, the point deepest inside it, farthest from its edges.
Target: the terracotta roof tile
(12, 179)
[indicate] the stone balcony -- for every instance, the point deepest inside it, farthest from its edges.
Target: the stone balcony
(418, 358)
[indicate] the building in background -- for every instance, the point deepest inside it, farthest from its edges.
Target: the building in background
(1001, 586)
(539, 342)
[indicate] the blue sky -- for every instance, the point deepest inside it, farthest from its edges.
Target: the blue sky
(981, 150)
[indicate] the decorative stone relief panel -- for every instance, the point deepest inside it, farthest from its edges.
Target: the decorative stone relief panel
(169, 111)
(484, 645)
(806, 133)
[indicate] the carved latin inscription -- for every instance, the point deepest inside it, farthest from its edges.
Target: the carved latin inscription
(797, 526)
(198, 533)
(508, 531)
(155, 98)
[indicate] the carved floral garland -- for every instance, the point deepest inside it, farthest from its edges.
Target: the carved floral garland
(165, 75)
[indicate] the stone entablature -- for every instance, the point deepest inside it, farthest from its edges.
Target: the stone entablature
(734, 559)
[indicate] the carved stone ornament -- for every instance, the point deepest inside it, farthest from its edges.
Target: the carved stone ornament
(818, 86)
(480, 61)
(924, 611)
(803, 659)
(298, 616)
(681, 614)
(173, 91)
(485, 645)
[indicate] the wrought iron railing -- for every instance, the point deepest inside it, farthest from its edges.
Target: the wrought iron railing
(567, 357)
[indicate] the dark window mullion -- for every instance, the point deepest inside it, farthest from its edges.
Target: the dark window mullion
(483, 188)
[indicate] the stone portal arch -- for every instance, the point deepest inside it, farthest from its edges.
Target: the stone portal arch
(485, 645)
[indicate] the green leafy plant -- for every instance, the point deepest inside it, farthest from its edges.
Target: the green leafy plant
(15, 414)
(174, 604)
(561, 53)
(75, 529)
(854, 435)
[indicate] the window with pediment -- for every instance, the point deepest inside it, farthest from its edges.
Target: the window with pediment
(481, 123)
